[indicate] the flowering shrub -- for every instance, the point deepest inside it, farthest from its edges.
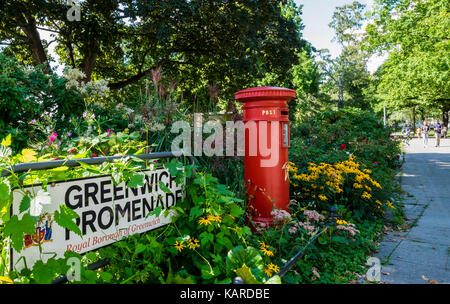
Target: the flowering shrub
(346, 182)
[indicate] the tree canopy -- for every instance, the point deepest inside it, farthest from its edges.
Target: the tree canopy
(197, 43)
(416, 34)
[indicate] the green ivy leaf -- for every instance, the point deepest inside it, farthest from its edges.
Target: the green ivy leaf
(164, 188)
(195, 212)
(43, 274)
(106, 276)
(16, 229)
(173, 166)
(156, 212)
(24, 204)
(236, 211)
(65, 217)
(136, 180)
(206, 237)
(4, 192)
(140, 248)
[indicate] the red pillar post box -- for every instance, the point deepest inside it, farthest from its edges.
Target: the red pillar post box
(266, 118)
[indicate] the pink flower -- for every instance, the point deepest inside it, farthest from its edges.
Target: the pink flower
(32, 122)
(349, 228)
(398, 156)
(94, 154)
(365, 139)
(343, 146)
(400, 166)
(280, 215)
(52, 138)
(71, 151)
(69, 133)
(292, 229)
(313, 215)
(375, 163)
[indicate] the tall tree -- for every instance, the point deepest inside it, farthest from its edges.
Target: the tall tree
(348, 71)
(416, 34)
(198, 42)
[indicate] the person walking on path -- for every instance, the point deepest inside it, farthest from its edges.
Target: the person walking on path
(444, 131)
(437, 131)
(419, 132)
(425, 131)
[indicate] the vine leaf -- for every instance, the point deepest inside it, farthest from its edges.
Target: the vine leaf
(4, 192)
(16, 229)
(6, 141)
(274, 280)
(136, 180)
(28, 155)
(164, 187)
(24, 204)
(65, 217)
(246, 274)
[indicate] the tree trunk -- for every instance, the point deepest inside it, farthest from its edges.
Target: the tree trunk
(414, 120)
(422, 115)
(89, 61)
(35, 43)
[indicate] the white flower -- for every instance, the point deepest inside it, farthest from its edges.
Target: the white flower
(37, 203)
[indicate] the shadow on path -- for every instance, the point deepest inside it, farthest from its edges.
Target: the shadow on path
(424, 250)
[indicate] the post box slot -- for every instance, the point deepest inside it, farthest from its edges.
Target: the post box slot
(286, 142)
(284, 112)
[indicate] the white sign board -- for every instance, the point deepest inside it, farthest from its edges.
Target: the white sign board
(107, 213)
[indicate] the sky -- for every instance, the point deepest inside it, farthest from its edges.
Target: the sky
(317, 15)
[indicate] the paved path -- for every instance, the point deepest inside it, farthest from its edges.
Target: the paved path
(425, 249)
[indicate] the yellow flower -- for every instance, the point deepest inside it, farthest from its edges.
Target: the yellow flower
(204, 221)
(366, 195)
(273, 267)
(236, 229)
(367, 188)
(323, 197)
(179, 246)
(378, 202)
(193, 243)
(341, 222)
(390, 205)
(357, 186)
(214, 218)
(268, 272)
(267, 252)
(264, 248)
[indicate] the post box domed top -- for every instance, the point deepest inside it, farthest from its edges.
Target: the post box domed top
(259, 93)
